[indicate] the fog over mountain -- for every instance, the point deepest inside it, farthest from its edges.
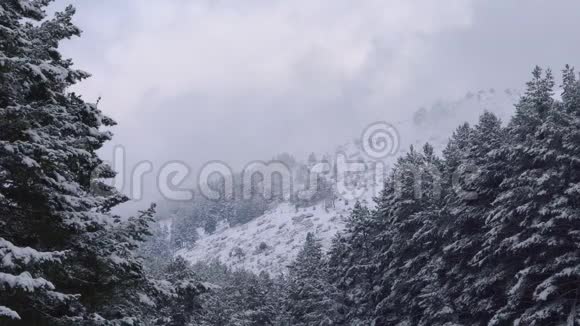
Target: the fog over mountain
(289, 163)
(239, 82)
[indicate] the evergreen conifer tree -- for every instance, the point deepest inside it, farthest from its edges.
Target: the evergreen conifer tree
(311, 298)
(66, 260)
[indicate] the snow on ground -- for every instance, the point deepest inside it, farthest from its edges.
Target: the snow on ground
(270, 242)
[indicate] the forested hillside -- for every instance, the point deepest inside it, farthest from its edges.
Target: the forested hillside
(64, 258)
(484, 234)
(485, 231)
(232, 230)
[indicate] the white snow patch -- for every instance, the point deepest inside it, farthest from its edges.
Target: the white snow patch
(270, 242)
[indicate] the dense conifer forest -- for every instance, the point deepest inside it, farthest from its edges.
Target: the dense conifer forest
(486, 233)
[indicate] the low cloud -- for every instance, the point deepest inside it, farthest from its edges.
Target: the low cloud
(237, 81)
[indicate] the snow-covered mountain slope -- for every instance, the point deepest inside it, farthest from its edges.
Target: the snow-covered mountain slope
(271, 241)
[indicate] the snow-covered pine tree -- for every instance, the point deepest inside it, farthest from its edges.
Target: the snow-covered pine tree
(217, 306)
(534, 228)
(504, 248)
(311, 299)
(64, 256)
(456, 149)
(32, 72)
(570, 91)
(184, 229)
(17, 284)
(352, 266)
(476, 171)
(177, 296)
(255, 300)
(410, 239)
(240, 298)
(571, 144)
(157, 251)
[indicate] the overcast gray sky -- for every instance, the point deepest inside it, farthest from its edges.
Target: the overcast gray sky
(199, 80)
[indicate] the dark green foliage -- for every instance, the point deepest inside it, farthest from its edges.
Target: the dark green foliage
(239, 298)
(353, 268)
(65, 259)
(489, 234)
(496, 243)
(311, 299)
